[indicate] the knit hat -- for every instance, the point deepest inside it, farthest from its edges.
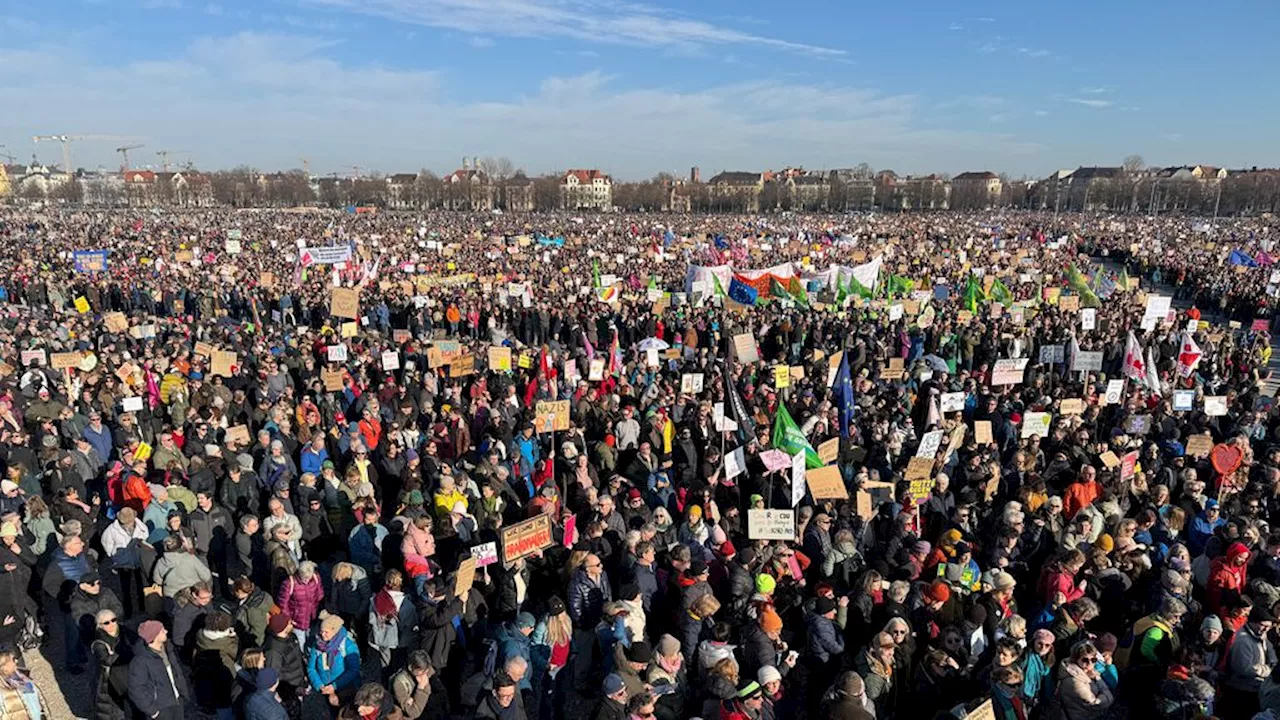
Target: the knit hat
(765, 584)
(613, 684)
(1003, 581)
(668, 645)
(278, 623)
(768, 674)
(267, 678)
(751, 689)
(640, 652)
(770, 622)
(7, 530)
(824, 605)
(1107, 642)
(150, 630)
(332, 623)
(922, 547)
(1105, 543)
(526, 620)
(938, 591)
(698, 567)
(951, 537)
(727, 549)
(1211, 622)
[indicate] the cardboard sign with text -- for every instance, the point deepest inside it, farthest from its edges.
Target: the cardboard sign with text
(771, 524)
(527, 537)
(558, 411)
(825, 483)
(828, 450)
(982, 432)
(344, 303)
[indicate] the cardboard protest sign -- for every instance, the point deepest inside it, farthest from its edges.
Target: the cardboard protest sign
(771, 524)
(1036, 423)
(132, 404)
(828, 450)
(205, 349)
(462, 366)
(1071, 406)
(894, 370)
(826, 483)
(982, 432)
(526, 538)
(466, 576)
(918, 468)
(557, 410)
(1199, 445)
(499, 358)
(920, 489)
(116, 322)
(238, 433)
(82, 305)
(332, 380)
(1069, 303)
(348, 329)
(1215, 405)
(1109, 460)
(744, 348)
(344, 303)
(223, 363)
(1008, 371)
(62, 361)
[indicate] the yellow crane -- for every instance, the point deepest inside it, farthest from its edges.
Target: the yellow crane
(124, 153)
(66, 141)
(164, 157)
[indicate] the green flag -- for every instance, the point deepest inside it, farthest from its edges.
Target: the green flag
(1123, 283)
(595, 273)
(787, 437)
(719, 288)
(859, 289)
(1076, 281)
(841, 291)
(653, 282)
(798, 293)
(971, 294)
(1000, 293)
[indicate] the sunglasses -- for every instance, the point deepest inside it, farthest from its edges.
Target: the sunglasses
(105, 623)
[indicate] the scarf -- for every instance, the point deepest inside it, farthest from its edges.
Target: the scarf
(385, 605)
(331, 649)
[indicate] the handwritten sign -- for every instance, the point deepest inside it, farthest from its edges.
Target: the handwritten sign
(238, 434)
(526, 538)
(485, 554)
(1109, 460)
(690, 383)
(1008, 371)
(223, 363)
(982, 432)
(1199, 445)
(557, 411)
(62, 361)
(344, 303)
(390, 361)
(825, 483)
(744, 348)
(1036, 423)
(1071, 406)
(332, 380)
(1128, 465)
(116, 322)
(828, 450)
(465, 577)
(499, 358)
(463, 366)
(771, 524)
(952, 402)
(919, 468)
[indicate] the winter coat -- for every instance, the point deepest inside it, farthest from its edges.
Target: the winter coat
(177, 571)
(1226, 578)
(435, 629)
(285, 656)
(252, 615)
(301, 601)
(213, 668)
(111, 694)
(85, 607)
(264, 705)
(587, 598)
(825, 640)
(340, 667)
(411, 699)
(394, 632)
(1078, 696)
(152, 686)
(1249, 660)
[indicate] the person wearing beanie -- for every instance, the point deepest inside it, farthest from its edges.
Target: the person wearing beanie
(762, 645)
(824, 638)
(1211, 641)
(666, 674)
(739, 583)
(514, 640)
(157, 684)
(284, 655)
(1105, 543)
(265, 703)
(848, 699)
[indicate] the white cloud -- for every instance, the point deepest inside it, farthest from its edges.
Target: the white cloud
(1041, 113)
(265, 100)
(1095, 90)
(477, 41)
(1091, 102)
(597, 21)
(955, 26)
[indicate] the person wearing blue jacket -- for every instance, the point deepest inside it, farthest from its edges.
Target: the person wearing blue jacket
(514, 640)
(264, 704)
(1204, 525)
(333, 662)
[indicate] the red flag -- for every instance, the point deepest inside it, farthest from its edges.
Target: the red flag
(1188, 355)
(1135, 367)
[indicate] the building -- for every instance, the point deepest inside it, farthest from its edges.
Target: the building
(468, 188)
(852, 189)
(140, 187)
(517, 194)
(733, 191)
(586, 190)
(1203, 173)
(189, 188)
(975, 190)
(808, 192)
(1094, 188)
(37, 180)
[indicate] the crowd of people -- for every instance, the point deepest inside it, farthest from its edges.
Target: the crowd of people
(277, 465)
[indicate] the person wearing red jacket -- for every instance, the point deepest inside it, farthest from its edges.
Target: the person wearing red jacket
(1082, 492)
(1059, 576)
(1227, 576)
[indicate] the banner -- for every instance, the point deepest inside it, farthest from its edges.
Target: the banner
(324, 255)
(90, 260)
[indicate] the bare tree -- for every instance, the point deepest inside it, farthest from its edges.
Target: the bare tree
(499, 168)
(71, 192)
(1133, 164)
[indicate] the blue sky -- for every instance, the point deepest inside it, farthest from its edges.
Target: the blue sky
(638, 87)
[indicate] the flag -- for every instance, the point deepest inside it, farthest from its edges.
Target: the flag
(1240, 258)
(715, 279)
(586, 345)
(1153, 375)
(1188, 355)
(595, 272)
(777, 290)
(842, 396)
(1135, 368)
(741, 292)
(841, 291)
(856, 287)
(668, 436)
(1076, 281)
(615, 355)
(797, 291)
(971, 292)
(1000, 293)
(734, 408)
(867, 277)
(653, 282)
(787, 437)
(1123, 283)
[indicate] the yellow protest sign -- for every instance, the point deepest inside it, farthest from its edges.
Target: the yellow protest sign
(82, 305)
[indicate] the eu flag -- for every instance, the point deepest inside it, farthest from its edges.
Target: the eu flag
(842, 396)
(1239, 258)
(741, 292)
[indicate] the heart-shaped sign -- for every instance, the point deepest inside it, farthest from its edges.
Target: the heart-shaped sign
(1226, 459)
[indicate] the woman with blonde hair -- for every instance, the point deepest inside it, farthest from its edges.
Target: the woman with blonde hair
(721, 685)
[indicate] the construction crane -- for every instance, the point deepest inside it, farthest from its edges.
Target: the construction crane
(66, 141)
(164, 157)
(6, 155)
(124, 152)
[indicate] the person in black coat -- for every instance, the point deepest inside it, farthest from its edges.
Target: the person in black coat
(435, 622)
(157, 685)
(112, 648)
(284, 655)
(88, 599)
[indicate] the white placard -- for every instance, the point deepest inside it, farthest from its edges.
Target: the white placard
(1008, 371)
(771, 524)
(132, 404)
(1215, 405)
(337, 353)
(1052, 354)
(1087, 361)
(1157, 307)
(691, 383)
(1115, 390)
(1184, 400)
(1088, 318)
(735, 463)
(798, 483)
(1036, 423)
(651, 357)
(952, 402)
(485, 554)
(390, 361)
(929, 444)
(895, 312)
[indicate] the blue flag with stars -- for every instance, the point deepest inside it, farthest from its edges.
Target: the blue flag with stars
(842, 396)
(742, 292)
